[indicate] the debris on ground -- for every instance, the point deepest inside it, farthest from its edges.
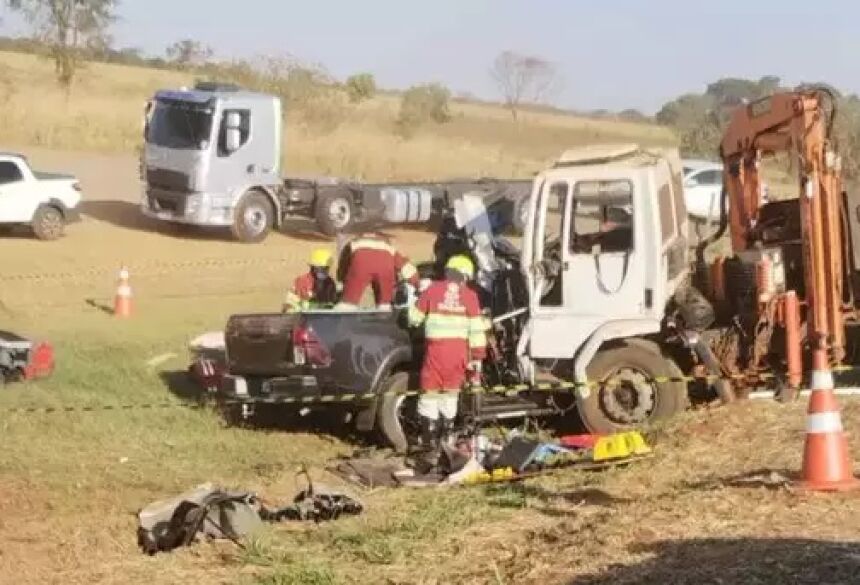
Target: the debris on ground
(23, 359)
(210, 512)
(482, 459)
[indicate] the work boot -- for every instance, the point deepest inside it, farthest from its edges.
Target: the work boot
(428, 457)
(451, 459)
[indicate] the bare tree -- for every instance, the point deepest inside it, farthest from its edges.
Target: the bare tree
(68, 27)
(189, 53)
(523, 79)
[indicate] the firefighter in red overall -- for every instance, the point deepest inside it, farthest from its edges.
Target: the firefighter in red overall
(371, 260)
(314, 288)
(456, 342)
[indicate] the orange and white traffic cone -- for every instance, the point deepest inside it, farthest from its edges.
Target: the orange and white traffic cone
(827, 464)
(122, 300)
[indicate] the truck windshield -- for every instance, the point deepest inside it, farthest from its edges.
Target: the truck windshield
(180, 125)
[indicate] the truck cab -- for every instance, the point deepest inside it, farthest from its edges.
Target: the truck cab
(603, 254)
(212, 156)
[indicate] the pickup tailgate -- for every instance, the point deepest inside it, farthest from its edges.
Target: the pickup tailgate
(260, 344)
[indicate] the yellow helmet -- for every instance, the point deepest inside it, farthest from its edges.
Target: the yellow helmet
(321, 258)
(461, 264)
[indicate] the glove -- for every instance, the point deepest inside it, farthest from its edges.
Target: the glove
(424, 284)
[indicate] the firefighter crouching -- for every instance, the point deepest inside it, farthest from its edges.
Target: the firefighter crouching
(456, 340)
(371, 260)
(314, 288)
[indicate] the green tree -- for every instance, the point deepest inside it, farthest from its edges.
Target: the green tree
(68, 28)
(422, 104)
(360, 87)
(188, 53)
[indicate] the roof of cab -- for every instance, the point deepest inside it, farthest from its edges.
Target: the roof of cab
(611, 156)
(198, 96)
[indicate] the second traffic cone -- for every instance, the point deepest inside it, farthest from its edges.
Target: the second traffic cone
(122, 300)
(827, 464)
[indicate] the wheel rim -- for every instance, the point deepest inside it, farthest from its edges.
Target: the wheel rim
(339, 212)
(628, 396)
(255, 219)
(52, 224)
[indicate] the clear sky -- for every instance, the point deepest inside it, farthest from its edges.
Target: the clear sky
(612, 54)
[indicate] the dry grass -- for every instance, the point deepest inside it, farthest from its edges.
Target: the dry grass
(70, 483)
(104, 113)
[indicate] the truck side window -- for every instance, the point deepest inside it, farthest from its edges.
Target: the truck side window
(244, 130)
(9, 173)
(602, 219)
(554, 216)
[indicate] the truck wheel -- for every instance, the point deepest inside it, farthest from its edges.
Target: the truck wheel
(397, 417)
(624, 395)
(334, 212)
(48, 223)
(253, 218)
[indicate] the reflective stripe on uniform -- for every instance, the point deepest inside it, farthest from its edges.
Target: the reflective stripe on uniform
(477, 340)
(824, 422)
(442, 326)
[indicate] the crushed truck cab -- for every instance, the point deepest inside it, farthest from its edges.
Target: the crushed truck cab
(604, 252)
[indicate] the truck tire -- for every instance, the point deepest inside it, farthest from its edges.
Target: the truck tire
(334, 212)
(395, 411)
(48, 223)
(633, 400)
(253, 218)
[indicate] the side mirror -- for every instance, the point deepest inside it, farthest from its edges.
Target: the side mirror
(233, 121)
(232, 139)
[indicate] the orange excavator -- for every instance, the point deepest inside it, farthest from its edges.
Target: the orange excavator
(786, 285)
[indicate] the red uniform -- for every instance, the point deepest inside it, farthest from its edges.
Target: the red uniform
(305, 293)
(371, 261)
(455, 333)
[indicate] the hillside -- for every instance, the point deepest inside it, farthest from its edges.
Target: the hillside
(104, 110)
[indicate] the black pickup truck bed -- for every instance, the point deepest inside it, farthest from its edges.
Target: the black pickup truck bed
(360, 361)
(274, 357)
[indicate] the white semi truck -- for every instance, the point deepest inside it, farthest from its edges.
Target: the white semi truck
(212, 157)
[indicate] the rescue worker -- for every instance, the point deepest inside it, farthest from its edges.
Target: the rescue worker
(315, 287)
(456, 342)
(371, 260)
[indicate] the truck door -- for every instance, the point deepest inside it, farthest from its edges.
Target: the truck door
(599, 273)
(17, 201)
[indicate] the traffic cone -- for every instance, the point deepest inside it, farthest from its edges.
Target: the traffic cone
(122, 300)
(827, 464)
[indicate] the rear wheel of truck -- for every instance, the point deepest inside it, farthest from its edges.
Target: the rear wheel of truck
(397, 416)
(334, 212)
(48, 223)
(253, 218)
(625, 393)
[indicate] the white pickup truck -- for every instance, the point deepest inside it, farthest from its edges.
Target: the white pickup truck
(44, 201)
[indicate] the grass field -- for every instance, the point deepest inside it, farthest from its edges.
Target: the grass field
(70, 483)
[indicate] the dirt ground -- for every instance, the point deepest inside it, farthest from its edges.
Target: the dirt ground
(712, 506)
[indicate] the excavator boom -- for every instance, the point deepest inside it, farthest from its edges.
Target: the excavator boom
(798, 124)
